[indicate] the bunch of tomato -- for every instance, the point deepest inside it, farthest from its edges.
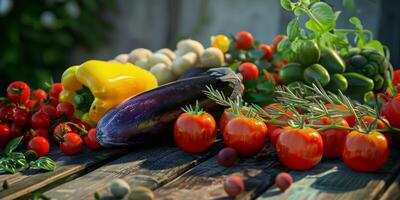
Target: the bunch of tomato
(41, 119)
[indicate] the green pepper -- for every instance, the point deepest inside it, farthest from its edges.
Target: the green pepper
(308, 53)
(332, 61)
(291, 72)
(358, 83)
(338, 82)
(316, 73)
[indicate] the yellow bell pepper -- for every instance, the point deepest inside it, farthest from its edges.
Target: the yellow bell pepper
(97, 86)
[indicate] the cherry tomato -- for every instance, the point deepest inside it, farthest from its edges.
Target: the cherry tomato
(7, 112)
(40, 120)
(4, 135)
(38, 95)
(65, 108)
(194, 133)
(50, 100)
(273, 136)
(221, 42)
(55, 90)
(49, 110)
(351, 120)
(18, 92)
(91, 140)
(244, 40)
(245, 135)
(16, 131)
(268, 51)
(277, 40)
(249, 71)
(299, 149)
(281, 63)
(369, 119)
(39, 145)
(60, 130)
(80, 123)
(21, 117)
(42, 132)
(31, 103)
(72, 144)
(333, 139)
(365, 152)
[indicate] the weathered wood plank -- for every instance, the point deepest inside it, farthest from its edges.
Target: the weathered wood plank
(30, 180)
(331, 179)
(205, 181)
(151, 167)
(393, 192)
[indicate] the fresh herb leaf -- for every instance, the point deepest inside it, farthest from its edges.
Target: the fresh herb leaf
(44, 163)
(356, 22)
(375, 44)
(287, 5)
(322, 17)
(12, 145)
(293, 29)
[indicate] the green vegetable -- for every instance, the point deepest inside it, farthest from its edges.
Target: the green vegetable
(309, 53)
(378, 81)
(291, 72)
(358, 84)
(338, 82)
(316, 74)
(332, 61)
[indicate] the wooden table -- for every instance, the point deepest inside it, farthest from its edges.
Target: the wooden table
(173, 174)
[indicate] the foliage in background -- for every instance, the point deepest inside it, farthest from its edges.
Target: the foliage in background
(38, 36)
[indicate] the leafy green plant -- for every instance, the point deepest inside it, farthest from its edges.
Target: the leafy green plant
(39, 36)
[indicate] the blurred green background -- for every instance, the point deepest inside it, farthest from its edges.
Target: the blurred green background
(41, 38)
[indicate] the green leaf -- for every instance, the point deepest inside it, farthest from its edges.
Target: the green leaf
(375, 44)
(287, 5)
(266, 87)
(44, 163)
(12, 145)
(349, 4)
(293, 29)
(250, 84)
(356, 22)
(325, 16)
(256, 54)
(284, 44)
(235, 66)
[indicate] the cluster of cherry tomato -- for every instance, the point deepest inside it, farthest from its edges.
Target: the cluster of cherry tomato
(40, 118)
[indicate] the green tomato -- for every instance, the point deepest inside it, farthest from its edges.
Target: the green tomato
(358, 83)
(308, 53)
(316, 74)
(291, 72)
(338, 82)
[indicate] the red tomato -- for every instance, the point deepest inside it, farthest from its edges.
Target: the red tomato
(245, 135)
(268, 51)
(249, 71)
(226, 116)
(49, 110)
(244, 40)
(39, 145)
(233, 185)
(351, 120)
(60, 130)
(72, 144)
(299, 149)
(55, 90)
(276, 78)
(365, 152)
(396, 104)
(40, 120)
(65, 108)
(227, 157)
(38, 95)
(285, 118)
(42, 132)
(50, 100)
(91, 140)
(194, 133)
(31, 103)
(7, 112)
(21, 117)
(273, 136)
(4, 135)
(78, 122)
(283, 181)
(18, 92)
(333, 139)
(369, 119)
(277, 40)
(16, 131)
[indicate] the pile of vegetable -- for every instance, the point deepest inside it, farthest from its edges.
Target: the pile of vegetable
(335, 98)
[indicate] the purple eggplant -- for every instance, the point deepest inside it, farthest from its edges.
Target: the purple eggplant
(148, 117)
